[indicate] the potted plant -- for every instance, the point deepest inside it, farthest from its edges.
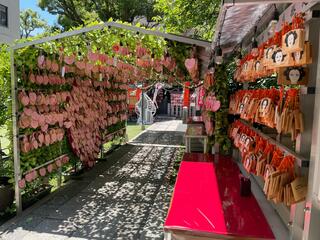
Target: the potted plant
(6, 188)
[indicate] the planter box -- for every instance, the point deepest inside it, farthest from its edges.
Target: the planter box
(73, 175)
(29, 201)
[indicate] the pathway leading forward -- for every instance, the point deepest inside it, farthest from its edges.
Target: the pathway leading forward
(125, 197)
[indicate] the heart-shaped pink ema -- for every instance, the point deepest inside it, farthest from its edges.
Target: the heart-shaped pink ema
(34, 174)
(32, 78)
(65, 159)
(25, 100)
(22, 183)
(55, 67)
(34, 123)
(81, 65)
(29, 177)
(212, 104)
(50, 168)
(190, 63)
(41, 138)
(47, 139)
(59, 163)
(32, 98)
(42, 172)
(69, 59)
(93, 56)
(35, 144)
(41, 61)
(216, 106)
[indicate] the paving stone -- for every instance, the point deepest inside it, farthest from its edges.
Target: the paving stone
(14, 234)
(104, 224)
(161, 138)
(130, 224)
(123, 198)
(44, 236)
(147, 193)
(22, 227)
(126, 191)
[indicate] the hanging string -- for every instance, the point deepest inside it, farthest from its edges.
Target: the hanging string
(192, 87)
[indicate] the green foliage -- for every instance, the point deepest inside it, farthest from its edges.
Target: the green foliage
(73, 13)
(5, 80)
(116, 127)
(6, 168)
(180, 52)
(264, 83)
(231, 68)
(221, 89)
(30, 21)
(44, 154)
(103, 41)
(180, 16)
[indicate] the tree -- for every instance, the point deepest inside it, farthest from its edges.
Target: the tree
(4, 84)
(30, 21)
(73, 13)
(192, 17)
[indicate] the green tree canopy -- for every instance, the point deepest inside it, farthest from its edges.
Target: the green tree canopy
(73, 13)
(193, 16)
(30, 21)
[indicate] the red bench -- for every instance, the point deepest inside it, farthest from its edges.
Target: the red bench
(206, 203)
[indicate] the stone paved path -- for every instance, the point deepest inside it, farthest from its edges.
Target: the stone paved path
(125, 197)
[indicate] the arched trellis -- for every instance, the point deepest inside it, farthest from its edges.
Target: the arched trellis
(14, 87)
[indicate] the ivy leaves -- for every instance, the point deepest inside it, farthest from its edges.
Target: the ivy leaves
(221, 89)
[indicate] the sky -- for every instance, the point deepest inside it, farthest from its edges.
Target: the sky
(51, 19)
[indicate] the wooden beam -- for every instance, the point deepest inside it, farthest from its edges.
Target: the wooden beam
(286, 16)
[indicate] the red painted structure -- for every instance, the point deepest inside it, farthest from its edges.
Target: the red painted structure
(133, 96)
(207, 202)
(186, 94)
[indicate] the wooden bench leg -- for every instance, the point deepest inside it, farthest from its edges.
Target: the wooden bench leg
(205, 145)
(187, 144)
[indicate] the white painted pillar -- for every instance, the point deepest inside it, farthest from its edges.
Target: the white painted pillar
(311, 229)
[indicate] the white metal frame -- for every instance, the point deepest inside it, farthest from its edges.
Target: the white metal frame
(248, 2)
(173, 37)
(16, 148)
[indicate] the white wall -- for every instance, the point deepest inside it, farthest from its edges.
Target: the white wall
(12, 32)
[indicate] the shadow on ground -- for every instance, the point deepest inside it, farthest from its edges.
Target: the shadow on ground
(160, 138)
(125, 197)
